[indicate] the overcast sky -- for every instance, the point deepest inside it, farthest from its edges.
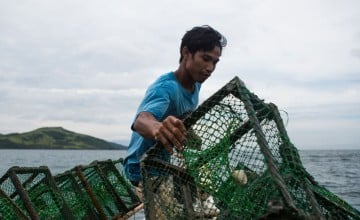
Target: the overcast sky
(85, 65)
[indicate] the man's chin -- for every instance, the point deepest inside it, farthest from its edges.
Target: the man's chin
(202, 79)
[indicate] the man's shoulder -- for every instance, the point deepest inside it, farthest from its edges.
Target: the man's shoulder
(166, 80)
(167, 77)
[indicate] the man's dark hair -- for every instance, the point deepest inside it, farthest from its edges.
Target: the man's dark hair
(202, 38)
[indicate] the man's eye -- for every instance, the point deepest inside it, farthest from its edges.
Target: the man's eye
(206, 58)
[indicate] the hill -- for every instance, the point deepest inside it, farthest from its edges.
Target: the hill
(54, 138)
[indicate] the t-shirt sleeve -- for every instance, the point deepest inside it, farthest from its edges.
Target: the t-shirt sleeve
(156, 101)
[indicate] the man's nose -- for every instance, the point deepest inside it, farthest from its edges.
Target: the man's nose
(210, 67)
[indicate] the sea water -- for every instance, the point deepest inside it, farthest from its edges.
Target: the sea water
(337, 170)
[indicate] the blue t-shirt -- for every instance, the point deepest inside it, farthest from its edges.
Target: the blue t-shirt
(163, 98)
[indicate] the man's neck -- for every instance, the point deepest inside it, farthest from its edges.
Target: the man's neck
(184, 79)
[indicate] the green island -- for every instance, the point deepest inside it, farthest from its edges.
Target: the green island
(55, 138)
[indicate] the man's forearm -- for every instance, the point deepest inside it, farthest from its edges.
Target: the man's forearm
(170, 132)
(146, 124)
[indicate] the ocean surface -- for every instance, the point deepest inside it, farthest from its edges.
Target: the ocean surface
(337, 170)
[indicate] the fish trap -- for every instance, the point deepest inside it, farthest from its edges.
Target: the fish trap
(95, 191)
(109, 192)
(238, 163)
(76, 196)
(33, 193)
(8, 209)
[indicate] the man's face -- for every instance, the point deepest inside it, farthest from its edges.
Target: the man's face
(201, 64)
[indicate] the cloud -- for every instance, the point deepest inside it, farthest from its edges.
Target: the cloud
(85, 65)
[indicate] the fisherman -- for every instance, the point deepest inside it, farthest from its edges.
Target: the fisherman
(172, 96)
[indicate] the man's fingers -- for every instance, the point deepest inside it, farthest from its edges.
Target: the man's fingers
(180, 125)
(170, 138)
(171, 133)
(177, 129)
(165, 143)
(175, 137)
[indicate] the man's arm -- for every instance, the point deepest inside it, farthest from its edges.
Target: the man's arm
(169, 132)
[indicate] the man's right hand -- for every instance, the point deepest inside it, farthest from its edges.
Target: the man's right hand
(170, 132)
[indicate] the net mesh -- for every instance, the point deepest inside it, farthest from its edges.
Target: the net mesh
(96, 191)
(238, 163)
(75, 196)
(8, 209)
(34, 191)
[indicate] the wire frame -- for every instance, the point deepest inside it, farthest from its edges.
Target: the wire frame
(238, 163)
(95, 191)
(34, 191)
(8, 209)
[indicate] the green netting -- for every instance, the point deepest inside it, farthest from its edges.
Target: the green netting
(8, 209)
(99, 187)
(122, 187)
(108, 189)
(34, 191)
(238, 163)
(75, 196)
(96, 191)
(120, 168)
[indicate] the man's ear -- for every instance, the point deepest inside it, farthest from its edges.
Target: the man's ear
(185, 52)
